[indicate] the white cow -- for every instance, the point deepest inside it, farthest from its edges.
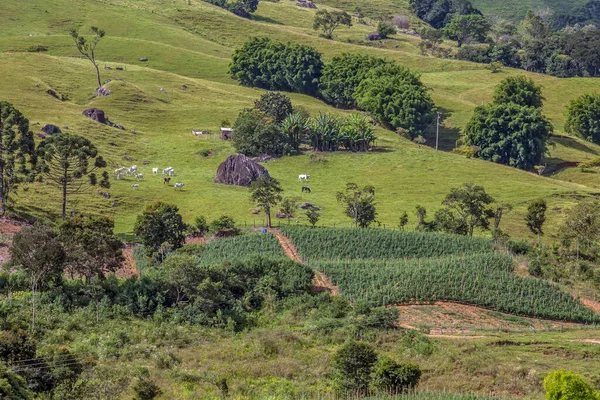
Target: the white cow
(133, 168)
(139, 176)
(171, 172)
(303, 177)
(119, 176)
(179, 186)
(155, 171)
(166, 170)
(197, 133)
(135, 185)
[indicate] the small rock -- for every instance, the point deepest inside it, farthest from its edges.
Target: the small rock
(143, 59)
(106, 195)
(126, 158)
(53, 94)
(307, 205)
(146, 162)
(107, 81)
(184, 87)
(112, 144)
(65, 127)
(41, 135)
(374, 36)
(95, 114)
(255, 211)
(121, 127)
(133, 132)
(103, 91)
(50, 129)
(280, 214)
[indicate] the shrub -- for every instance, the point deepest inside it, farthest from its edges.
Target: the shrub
(276, 105)
(145, 389)
(385, 29)
(224, 226)
(401, 21)
(474, 53)
(257, 134)
(566, 385)
(354, 363)
(393, 377)
(518, 90)
(37, 48)
(583, 117)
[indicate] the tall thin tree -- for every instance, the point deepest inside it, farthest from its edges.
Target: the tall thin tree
(16, 150)
(88, 48)
(65, 161)
(266, 193)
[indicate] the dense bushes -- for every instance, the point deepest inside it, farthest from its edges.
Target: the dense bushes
(267, 64)
(583, 117)
(256, 134)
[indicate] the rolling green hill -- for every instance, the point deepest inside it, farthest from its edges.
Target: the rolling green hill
(190, 43)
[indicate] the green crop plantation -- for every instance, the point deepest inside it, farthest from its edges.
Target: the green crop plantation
(240, 247)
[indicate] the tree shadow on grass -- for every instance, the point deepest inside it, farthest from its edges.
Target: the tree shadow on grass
(573, 143)
(268, 20)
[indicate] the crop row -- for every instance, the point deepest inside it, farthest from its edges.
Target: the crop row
(352, 244)
(239, 247)
(481, 279)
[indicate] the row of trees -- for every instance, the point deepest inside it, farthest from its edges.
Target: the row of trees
(68, 162)
(273, 127)
(391, 94)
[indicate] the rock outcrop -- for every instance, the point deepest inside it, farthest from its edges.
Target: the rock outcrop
(96, 114)
(50, 129)
(239, 170)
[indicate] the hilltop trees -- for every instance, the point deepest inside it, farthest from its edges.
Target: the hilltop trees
(328, 21)
(242, 8)
(359, 204)
(88, 48)
(583, 117)
(439, 13)
(65, 161)
(16, 151)
(272, 65)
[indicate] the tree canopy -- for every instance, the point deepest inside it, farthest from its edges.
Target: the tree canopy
(267, 194)
(518, 90)
(160, 223)
(276, 105)
(329, 21)
(359, 204)
(583, 117)
(464, 28)
(465, 208)
(257, 134)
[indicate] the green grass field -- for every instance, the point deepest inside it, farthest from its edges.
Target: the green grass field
(190, 43)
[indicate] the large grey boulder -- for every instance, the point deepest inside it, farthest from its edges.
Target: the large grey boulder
(95, 114)
(239, 170)
(50, 129)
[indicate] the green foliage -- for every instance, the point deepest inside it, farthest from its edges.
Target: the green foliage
(327, 132)
(582, 224)
(289, 207)
(88, 48)
(201, 225)
(160, 223)
(583, 117)
(329, 21)
(257, 134)
(313, 216)
(518, 90)
(145, 389)
(385, 29)
(272, 65)
(403, 220)
(276, 105)
(463, 28)
(439, 13)
(359, 204)
(224, 226)
(536, 216)
(294, 129)
(267, 194)
(242, 8)
(240, 247)
(353, 364)
(466, 208)
(342, 75)
(393, 377)
(509, 134)
(566, 385)
(395, 96)
(16, 150)
(13, 386)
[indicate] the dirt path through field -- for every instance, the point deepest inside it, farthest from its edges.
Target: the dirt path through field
(321, 282)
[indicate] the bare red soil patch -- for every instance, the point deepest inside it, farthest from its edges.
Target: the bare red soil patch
(594, 305)
(8, 228)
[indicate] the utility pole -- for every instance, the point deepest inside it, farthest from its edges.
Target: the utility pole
(437, 131)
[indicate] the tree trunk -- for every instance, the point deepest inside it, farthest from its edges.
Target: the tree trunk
(34, 292)
(268, 215)
(98, 74)
(64, 195)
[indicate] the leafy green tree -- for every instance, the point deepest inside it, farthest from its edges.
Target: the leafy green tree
(566, 385)
(536, 216)
(396, 97)
(313, 216)
(509, 134)
(329, 21)
(39, 252)
(289, 206)
(582, 225)
(353, 364)
(243, 8)
(393, 377)
(385, 29)
(92, 247)
(583, 117)
(463, 28)
(403, 220)
(182, 274)
(65, 161)
(16, 150)
(266, 193)
(518, 90)
(88, 48)
(257, 134)
(224, 226)
(276, 105)
(273, 65)
(466, 208)
(160, 223)
(294, 129)
(343, 74)
(359, 204)
(13, 386)
(534, 26)
(439, 13)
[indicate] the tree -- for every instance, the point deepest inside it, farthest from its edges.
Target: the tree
(92, 247)
(224, 226)
(13, 386)
(289, 207)
(393, 377)
(583, 117)
(467, 27)
(566, 385)
(518, 90)
(160, 223)
(421, 214)
(499, 211)
(329, 21)
(353, 364)
(182, 275)
(313, 216)
(439, 13)
(39, 252)
(243, 8)
(403, 221)
(257, 134)
(273, 65)
(276, 105)
(66, 161)
(582, 224)
(145, 389)
(385, 29)
(359, 204)
(466, 208)
(396, 97)
(267, 193)
(535, 26)
(536, 216)
(509, 134)
(87, 48)
(16, 147)
(201, 226)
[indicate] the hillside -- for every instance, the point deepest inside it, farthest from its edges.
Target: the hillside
(190, 43)
(515, 10)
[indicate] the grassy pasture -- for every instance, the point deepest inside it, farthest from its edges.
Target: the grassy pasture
(191, 44)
